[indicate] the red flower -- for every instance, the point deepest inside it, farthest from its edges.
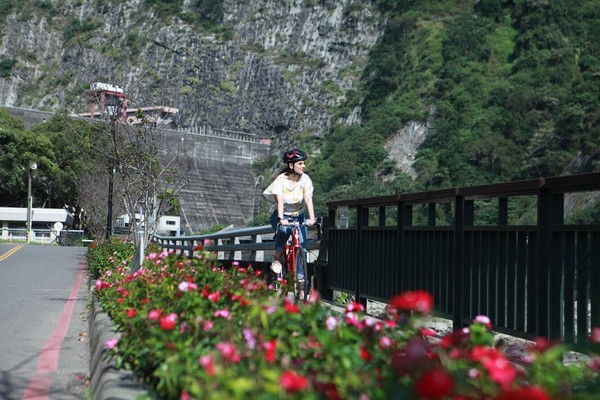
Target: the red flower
(354, 307)
(541, 345)
(198, 247)
(270, 347)
(524, 393)
(291, 308)
(436, 383)
(419, 300)
(214, 297)
(328, 389)
(365, 354)
(131, 313)
(497, 366)
(293, 382)
(167, 323)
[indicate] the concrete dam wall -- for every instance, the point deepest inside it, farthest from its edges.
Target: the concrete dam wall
(221, 188)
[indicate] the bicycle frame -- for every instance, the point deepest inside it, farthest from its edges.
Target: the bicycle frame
(293, 254)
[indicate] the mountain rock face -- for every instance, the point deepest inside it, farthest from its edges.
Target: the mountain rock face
(269, 67)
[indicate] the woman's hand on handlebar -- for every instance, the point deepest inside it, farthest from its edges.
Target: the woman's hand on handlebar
(284, 222)
(310, 221)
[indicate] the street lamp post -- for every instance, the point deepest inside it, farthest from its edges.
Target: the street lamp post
(32, 166)
(111, 174)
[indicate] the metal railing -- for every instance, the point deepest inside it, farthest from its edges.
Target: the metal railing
(254, 245)
(44, 236)
(530, 279)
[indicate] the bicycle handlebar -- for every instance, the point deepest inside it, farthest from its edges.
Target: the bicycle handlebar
(318, 223)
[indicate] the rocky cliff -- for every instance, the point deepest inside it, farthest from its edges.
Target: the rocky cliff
(271, 67)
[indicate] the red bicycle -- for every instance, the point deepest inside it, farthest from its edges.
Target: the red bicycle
(296, 263)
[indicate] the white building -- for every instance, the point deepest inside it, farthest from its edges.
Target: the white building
(167, 225)
(14, 220)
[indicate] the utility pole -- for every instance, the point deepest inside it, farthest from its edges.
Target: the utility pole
(32, 166)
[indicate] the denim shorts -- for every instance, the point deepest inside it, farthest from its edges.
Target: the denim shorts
(282, 233)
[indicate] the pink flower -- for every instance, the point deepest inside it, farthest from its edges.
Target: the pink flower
(228, 352)
(427, 332)
(249, 337)
(331, 322)
(293, 382)
(594, 364)
(420, 301)
(168, 322)
(207, 363)
(207, 325)
(595, 336)
(352, 320)
(384, 342)
(483, 320)
(111, 343)
(154, 315)
(185, 286)
(223, 314)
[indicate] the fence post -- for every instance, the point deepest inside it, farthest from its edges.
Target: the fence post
(549, 270)
(459, 261)
(320, 264)
(362, 218)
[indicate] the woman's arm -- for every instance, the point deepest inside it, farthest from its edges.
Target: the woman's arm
(282, 220)
(308, 200)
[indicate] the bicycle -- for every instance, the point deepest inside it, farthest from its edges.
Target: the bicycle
(295, 260)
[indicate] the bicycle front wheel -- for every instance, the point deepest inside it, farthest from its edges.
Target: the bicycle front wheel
(300, 284)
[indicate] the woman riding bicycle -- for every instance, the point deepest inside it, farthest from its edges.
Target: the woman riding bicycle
(292, 191)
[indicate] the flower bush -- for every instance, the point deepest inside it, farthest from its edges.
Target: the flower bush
(191, 329)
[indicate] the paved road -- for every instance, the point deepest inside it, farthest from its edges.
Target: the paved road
(44, 350)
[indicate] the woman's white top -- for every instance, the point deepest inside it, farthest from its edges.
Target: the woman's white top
(293, 195)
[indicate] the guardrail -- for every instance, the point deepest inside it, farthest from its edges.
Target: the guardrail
(44, 236)
(254, 244)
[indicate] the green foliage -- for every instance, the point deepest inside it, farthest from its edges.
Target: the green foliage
(168, 7)
(6, 66)
(78, 27)
(213, 229)
(512, 88)
(107, 255)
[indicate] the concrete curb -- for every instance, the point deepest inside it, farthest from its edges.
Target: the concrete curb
(107, 382)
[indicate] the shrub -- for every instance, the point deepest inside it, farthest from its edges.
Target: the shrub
(192, 329)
